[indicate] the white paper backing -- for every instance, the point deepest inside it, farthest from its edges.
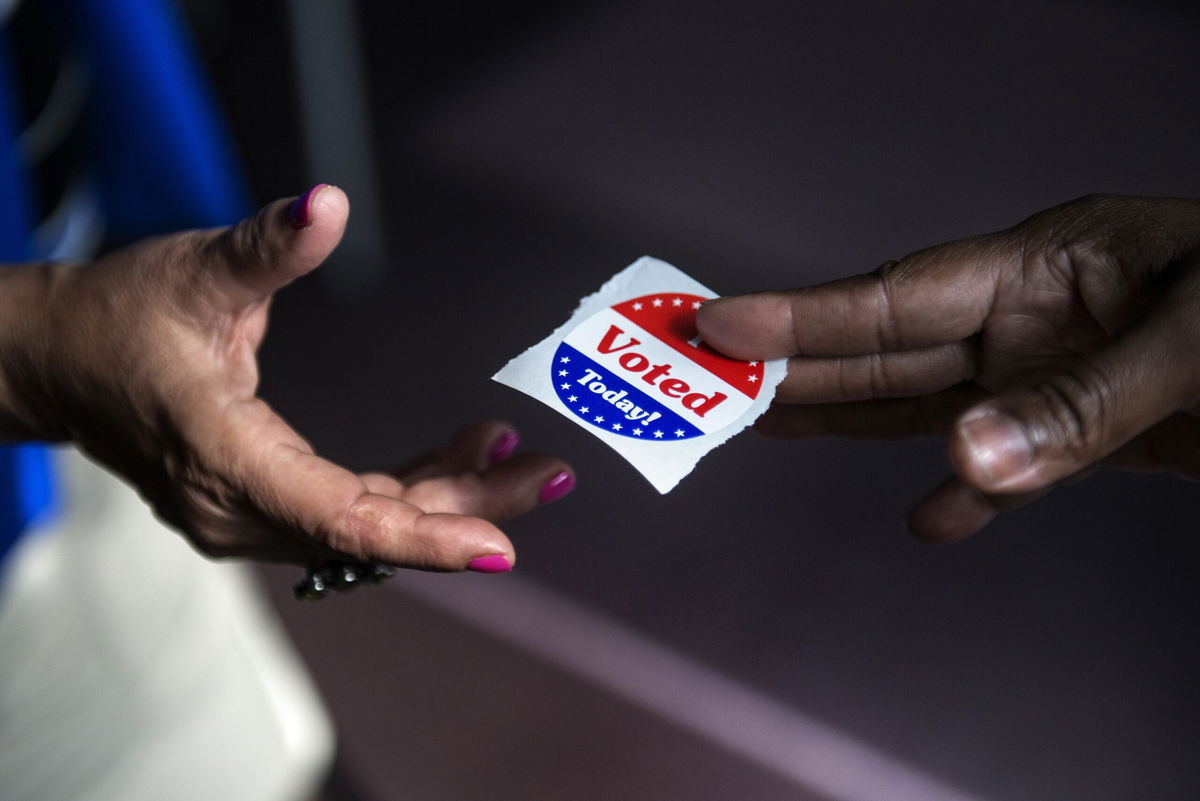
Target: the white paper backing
(662, 462)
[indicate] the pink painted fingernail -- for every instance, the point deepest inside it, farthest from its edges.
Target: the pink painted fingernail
(490, 564)
(504, 446)
(299, 214)
(556, 487)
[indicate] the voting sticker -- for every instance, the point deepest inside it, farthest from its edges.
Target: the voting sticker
(630, 367)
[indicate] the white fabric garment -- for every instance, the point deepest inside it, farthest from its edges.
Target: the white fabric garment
(133, 669)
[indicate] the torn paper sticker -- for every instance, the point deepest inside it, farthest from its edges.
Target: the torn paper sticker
(629, 366)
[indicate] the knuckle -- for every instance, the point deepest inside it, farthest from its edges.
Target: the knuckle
(888, 331)
(796, 322)
(1078, 236)
(348, 530)
(864, 377)
(878, 381)
(846, 383)
(1054, 261)
(1065, 261)
(245, 243)
(1078, 414)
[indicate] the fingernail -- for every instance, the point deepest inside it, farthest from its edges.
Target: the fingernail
(997, 446)
(556, 487)
(490, 564)
(299, 214)
(504, 446)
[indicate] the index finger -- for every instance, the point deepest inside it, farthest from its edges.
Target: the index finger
(932, 297)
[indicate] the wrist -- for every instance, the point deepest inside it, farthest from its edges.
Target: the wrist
(27, 292)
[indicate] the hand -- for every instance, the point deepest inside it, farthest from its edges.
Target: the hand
(1069, 341)
(147, 360)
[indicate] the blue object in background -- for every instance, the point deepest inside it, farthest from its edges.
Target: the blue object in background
(163, 158)
(26, 486)
(26, 491)
(160, 155)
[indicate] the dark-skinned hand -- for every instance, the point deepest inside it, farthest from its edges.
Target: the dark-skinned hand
(1043, 352)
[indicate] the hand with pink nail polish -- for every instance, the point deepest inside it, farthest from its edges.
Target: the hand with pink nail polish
(1042, 352)
(147, 359)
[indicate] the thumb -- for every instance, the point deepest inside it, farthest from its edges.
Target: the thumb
(1029, 437)
(283, 241)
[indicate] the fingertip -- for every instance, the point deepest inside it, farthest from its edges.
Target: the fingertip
(741, 326)
(991, 451)
(503, 446)
(523, 483)
(557, 486)
(485, 444)
(286, 239)
(494, 563)
(708, 320)
(395, 532)
(319, 214)
(452, 542)
(480, 445)
(331, 203)
(299, 212)
(950, 513)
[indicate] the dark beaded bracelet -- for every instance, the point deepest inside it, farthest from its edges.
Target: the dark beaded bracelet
(339, 577)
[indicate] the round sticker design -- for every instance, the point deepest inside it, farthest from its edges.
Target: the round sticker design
(639, 369)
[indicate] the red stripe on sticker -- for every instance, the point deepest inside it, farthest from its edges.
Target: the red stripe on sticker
(671, 317)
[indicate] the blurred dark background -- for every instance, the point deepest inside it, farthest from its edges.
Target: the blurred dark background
(518, 154)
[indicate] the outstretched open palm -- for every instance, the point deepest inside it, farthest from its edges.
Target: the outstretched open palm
(148, 360)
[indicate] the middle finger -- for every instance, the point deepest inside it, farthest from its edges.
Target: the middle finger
(878, 375)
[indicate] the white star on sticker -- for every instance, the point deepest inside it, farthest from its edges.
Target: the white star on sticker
(599, 418)
(637, 307)
(658, 301)
(565, 359)
(572, 399)
(565, 386)
(658, 435)
(695, 304)
(751, 378)
(679, 432)
(616, 426)
(677, 302)
(637, 432)
(562, 372)
(583, 410)
(753, 364)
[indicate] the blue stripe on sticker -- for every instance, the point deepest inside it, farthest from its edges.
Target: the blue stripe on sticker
(602, 399)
